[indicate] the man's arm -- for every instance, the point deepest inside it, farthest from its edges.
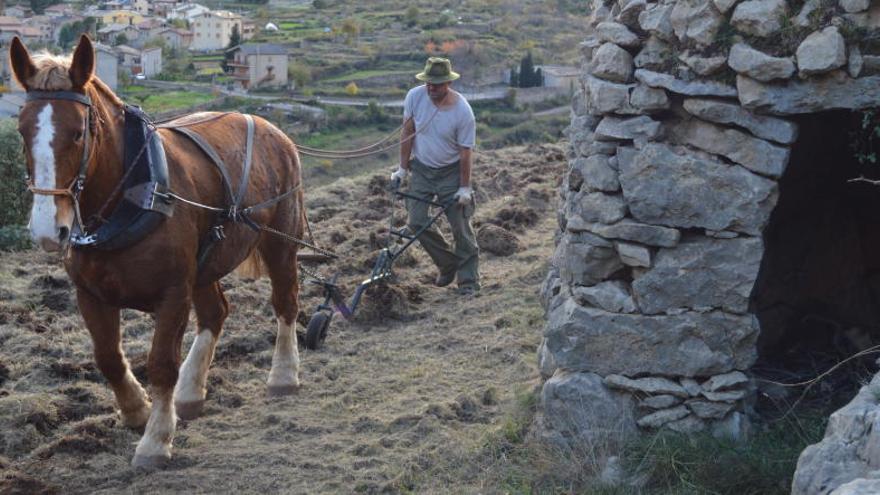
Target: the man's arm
(406, 142)
(465, 155)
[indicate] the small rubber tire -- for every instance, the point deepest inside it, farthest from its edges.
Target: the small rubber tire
(316, 332)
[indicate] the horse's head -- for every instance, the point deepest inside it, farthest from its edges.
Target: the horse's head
(55, 125)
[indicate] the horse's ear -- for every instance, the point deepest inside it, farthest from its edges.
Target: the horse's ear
(20, 60)
(83, 65)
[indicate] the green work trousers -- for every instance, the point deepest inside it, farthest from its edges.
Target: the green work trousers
(428, 183)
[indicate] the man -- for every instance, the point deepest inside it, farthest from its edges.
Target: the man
(436, 148)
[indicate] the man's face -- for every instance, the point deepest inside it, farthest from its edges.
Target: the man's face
(438, 91)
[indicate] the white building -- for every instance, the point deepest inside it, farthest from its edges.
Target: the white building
(259, 65)
(212, 30)
(151, 62)
(107, 65)
(187, 11)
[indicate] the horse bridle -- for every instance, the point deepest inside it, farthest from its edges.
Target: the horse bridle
(74, 189)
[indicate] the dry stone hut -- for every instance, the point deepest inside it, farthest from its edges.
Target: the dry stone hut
(707, 202)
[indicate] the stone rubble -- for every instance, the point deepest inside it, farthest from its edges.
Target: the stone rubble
(673, 176)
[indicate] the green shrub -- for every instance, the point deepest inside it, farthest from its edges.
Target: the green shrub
(15, 201)
(14, 238)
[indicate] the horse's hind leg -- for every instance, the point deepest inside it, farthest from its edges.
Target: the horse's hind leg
(280, 259)
(211, 311)
(103, 324)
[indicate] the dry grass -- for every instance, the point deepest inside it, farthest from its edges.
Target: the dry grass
(384, 398)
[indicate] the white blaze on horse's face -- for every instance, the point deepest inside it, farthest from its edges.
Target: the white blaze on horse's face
(46, 228)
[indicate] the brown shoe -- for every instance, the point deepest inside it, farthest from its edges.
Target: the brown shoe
(444, 279)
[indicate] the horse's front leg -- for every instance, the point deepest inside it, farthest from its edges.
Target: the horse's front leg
(154, 448)
(103, 324)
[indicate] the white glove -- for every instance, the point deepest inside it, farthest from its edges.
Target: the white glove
(464, 195)
(399, 174)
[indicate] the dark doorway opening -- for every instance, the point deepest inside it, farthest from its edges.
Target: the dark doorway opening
(817, 297)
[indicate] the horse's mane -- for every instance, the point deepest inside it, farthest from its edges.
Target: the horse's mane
(53, 75)
(51, 72)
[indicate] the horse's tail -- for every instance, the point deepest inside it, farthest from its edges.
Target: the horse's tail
(253, 266)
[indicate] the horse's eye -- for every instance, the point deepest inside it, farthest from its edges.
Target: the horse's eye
(78, 136)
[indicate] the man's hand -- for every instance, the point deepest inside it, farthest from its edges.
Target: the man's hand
(464, 195)
(398, 176)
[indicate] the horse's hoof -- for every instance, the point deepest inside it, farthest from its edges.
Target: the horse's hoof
(282, 390)
(189, 410)
(150, 461)
(136, 420)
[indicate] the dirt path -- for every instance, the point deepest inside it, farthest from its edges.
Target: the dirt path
(421, 378)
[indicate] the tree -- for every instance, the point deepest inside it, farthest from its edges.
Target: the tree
(527, 71)
(121, 39)
(299, 74)
(235, 37)
(38, 6)
(14, 199)
(539, 77)
(351, 89)
(514, 77)
(412, 16)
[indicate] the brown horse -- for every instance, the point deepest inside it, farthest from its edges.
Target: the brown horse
(65, 134)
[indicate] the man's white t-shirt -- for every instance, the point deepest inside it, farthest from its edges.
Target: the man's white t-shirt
(439, 137)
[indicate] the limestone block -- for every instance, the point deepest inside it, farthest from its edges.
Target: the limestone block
(728, 396)
(657, 20)
(655, 55)
(612, 63)
(724, 5)
(688, 344)
(647, 99)
(657, 419)
(695, 88)
(579, 406)
(606, 97)
(612, 296)
(668, 186)
(652, 235)
(834, 91)
(617, 33)
(692, 386)
(779, 130)
(759, 17)
(546, 364)
(869, 19)
(853, 6)
(597, 173)
(753, 153)
(550, 287)
(590, 207)
(725, 381)
(633, 254)
(629, 13)
(856, 62)
(849, 450)
(649, 386)
(861, 486)
(821, 52)
(701, 272)
(627, 129)
(758, 65)
(803, 17)
(709, 410)
(704, 66)
(688, 425)
(696, 21)
(582, 262)
(659, 402)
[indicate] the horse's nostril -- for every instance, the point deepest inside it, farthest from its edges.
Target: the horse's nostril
(63, 232)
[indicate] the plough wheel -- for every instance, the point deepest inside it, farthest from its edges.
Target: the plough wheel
(316, 332)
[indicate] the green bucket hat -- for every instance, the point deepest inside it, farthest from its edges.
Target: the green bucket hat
(437, 70)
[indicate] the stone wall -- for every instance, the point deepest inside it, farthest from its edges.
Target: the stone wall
(681, 129)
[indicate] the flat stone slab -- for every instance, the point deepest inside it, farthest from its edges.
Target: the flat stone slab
(771, 128)
(700, 273)
(670, 186)
(835, 91)
(649, 385)
(698, 88)
(688, 344)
